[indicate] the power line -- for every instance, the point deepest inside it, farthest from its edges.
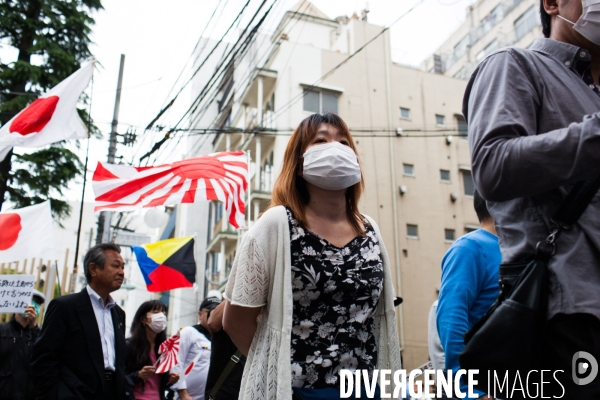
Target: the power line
(214, 78)
(136, 151)
(292, 101)
(161, 112)
(206, 88)
(267, 54)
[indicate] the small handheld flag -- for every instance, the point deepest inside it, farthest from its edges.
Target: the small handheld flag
(168, 264)
(169, 354)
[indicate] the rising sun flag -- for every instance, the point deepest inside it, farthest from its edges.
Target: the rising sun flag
(169, 354)
(218, 176)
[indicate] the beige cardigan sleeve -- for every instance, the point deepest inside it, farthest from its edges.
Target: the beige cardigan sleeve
(248, 284)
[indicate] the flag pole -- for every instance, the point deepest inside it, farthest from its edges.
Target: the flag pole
(85, 168)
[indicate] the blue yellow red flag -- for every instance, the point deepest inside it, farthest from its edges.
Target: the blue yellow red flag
(167, 264)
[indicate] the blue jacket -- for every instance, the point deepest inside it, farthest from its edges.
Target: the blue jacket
(469, 287)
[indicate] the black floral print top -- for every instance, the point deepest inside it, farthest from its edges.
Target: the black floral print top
(336, 292)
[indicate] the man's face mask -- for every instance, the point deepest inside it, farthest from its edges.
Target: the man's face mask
(588, 25)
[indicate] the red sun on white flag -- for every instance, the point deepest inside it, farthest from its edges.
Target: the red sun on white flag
(10, 226)
(50, 118)
(27, 233)
(35, 117)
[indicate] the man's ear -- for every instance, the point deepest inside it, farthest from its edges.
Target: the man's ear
(551, 7)
(93, 268)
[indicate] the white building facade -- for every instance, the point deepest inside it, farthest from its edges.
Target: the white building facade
(489, 26)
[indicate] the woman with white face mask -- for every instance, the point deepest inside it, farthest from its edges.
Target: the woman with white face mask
(318, 271)
(147, 334)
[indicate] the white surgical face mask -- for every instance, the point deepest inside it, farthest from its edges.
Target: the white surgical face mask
(588, 25)
(159, 322)
(331, 166)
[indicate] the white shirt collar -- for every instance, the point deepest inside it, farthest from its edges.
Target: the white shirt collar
(96, 298)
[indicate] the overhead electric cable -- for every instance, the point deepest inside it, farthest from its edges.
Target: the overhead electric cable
(184, 68)
(267, 54)
(201, 64)
(215, 77)
(249, 76)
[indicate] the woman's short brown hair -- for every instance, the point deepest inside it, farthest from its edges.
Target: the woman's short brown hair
(290, 188)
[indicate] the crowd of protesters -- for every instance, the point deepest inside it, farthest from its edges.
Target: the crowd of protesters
(310, 291)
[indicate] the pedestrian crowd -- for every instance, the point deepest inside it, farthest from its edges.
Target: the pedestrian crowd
(311, 289)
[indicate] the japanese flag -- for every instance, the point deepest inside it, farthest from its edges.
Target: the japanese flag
(27, 233)
(50, 118)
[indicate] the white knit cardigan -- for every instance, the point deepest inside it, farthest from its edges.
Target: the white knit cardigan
(261, 277)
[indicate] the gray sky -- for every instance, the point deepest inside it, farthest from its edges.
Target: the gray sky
(157, 38)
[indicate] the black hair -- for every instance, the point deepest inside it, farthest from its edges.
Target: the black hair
(480, 207)
(138, 354)
(96, 256)
(546, 20)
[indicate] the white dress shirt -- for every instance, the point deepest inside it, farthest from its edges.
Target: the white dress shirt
(105, 326)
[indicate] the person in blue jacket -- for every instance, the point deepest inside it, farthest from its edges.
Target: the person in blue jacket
(469, 285)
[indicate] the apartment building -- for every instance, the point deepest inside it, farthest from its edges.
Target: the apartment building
(408, 128)
(489, 26)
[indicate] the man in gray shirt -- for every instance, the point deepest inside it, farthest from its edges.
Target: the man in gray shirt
(534, 131)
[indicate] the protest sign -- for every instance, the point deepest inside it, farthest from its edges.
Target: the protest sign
(16, 292)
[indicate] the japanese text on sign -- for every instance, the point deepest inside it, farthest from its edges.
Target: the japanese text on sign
(16, 292)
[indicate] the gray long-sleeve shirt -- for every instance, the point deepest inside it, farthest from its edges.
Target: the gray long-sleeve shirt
(534, 130)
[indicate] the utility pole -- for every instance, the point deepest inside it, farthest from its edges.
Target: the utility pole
(105, 216)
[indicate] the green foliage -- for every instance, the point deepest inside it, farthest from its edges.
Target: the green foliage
(40, 172)
(52, 40)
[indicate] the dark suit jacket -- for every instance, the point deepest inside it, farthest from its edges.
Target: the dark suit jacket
(67, 360)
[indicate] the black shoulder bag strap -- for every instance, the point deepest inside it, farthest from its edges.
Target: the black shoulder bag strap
(571, 209)
(233, 361)
(576, 202)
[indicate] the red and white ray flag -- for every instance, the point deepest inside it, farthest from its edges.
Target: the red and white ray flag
(27, 233)
(50, 118)
(218, 176)
(169, 354)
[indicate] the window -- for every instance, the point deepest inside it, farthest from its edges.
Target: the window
(409, 169)
(460, 74)
(412, 231)
(218, 211)
(461, 47)
(215, 263)
(462, 126)
(526, 22)
(320, 102)
(497, 14)
(444, 175)
(404, 113)
(312, 101)
(330, 103)
(449, 235)
(489, 49)
(469, 186)
(471, 228)
(440, 120)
